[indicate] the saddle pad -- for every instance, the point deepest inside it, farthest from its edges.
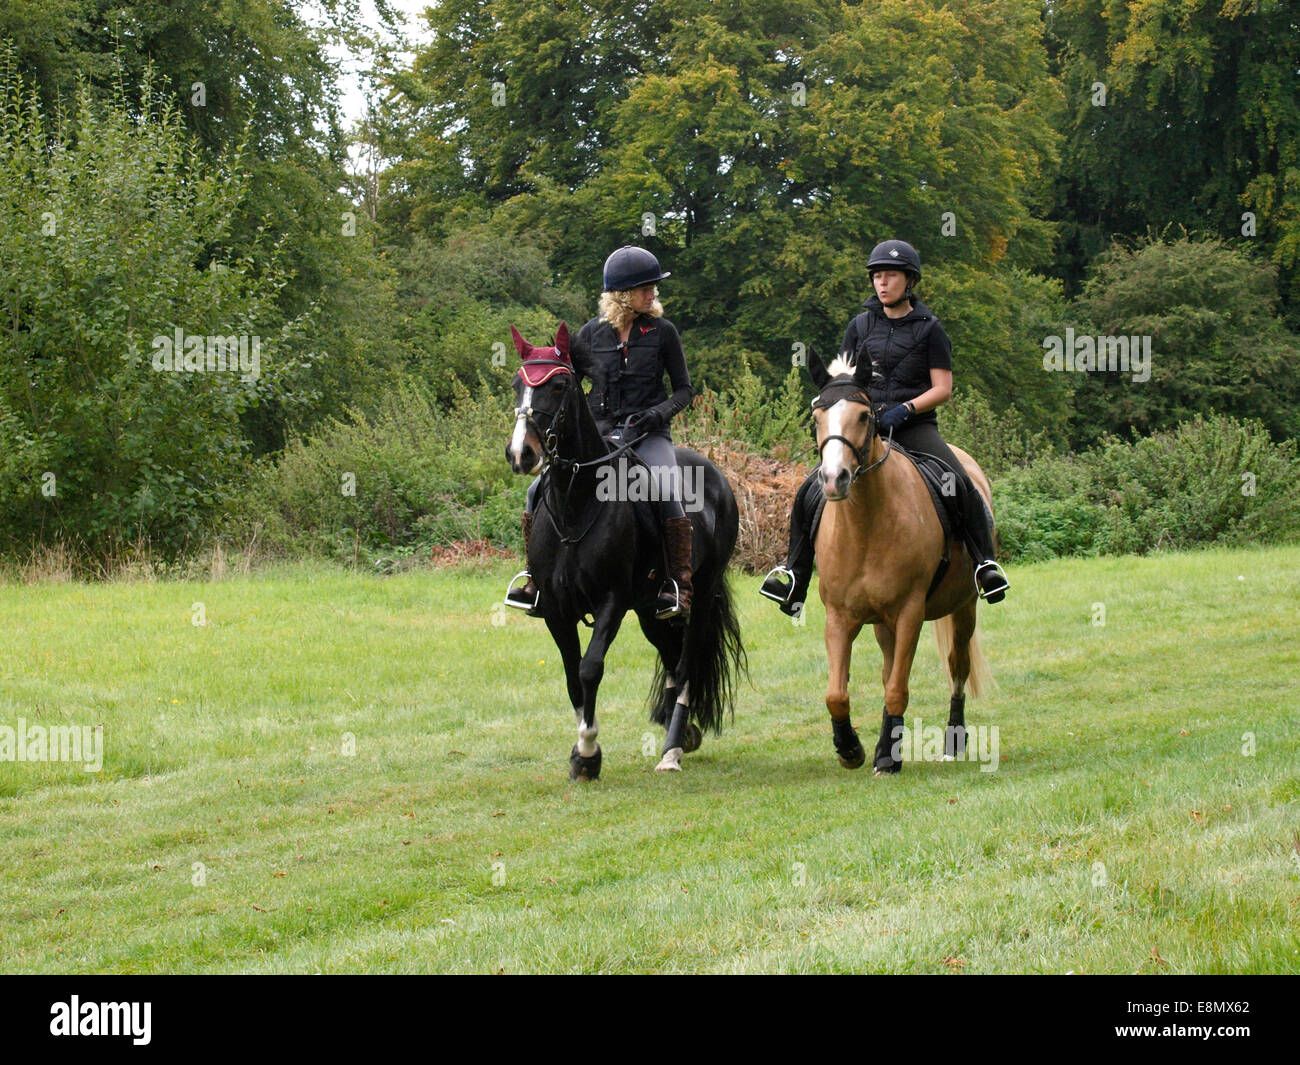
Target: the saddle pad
(934, 471)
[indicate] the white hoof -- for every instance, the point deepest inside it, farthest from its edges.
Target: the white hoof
(671, 762)
(949, 758)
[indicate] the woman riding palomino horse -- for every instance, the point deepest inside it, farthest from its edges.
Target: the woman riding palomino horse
(910, 362)
(625, 353)
(885, 561)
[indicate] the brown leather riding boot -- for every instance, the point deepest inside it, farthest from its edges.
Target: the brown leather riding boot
(677, 536)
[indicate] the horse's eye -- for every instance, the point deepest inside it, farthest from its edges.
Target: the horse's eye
(862, 418)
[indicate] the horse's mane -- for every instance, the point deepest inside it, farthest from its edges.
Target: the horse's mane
(841, 364)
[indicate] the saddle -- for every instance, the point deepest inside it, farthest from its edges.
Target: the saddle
(945, 487)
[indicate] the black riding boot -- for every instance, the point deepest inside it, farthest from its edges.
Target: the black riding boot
(989, 578)
(787, 584)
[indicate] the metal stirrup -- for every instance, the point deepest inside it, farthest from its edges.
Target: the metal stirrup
(511, 586)
(676, 608)
(786, 571)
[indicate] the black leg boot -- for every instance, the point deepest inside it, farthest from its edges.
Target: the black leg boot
(890, 744)
(788, 584)
(989, 578)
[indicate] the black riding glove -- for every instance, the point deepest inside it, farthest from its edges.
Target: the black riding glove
(648, 421)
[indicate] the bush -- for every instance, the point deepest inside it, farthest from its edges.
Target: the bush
(410, 476)
(1208, 481)
(118, 235)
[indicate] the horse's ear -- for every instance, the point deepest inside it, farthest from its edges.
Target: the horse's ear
(562, 340)
(521, 345)
(816, 370)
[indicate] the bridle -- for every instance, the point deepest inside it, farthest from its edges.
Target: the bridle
(550, 438)
(850, 390)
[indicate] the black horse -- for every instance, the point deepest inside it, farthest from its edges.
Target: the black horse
(595, 550)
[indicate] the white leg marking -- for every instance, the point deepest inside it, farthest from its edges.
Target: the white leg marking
(586, 737)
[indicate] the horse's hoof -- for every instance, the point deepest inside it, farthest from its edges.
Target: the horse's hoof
(887, 767)
(692, 737)
(671, 762)
(584, 768)
(852, 759)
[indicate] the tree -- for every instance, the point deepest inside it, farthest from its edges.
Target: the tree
(119, 255)
(1217, 345)
(1180, 113)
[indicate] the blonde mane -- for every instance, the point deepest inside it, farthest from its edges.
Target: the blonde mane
(841, 364)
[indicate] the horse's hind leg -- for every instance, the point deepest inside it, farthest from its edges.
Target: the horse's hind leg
(841, 630)
(668, 639)
(885, 638)
(963, 626)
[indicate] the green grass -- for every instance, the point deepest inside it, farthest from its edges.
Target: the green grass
(1124, 830)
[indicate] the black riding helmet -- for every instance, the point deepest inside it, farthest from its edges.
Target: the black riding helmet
(631, 267)
(895, 255)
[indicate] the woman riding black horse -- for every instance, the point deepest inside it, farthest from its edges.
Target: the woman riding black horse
(625, 353)
(904, 358)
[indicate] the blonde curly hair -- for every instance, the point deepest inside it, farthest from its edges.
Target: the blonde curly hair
(616, 308)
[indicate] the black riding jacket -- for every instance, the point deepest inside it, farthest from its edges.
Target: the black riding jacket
(895, 355)
(628, 381)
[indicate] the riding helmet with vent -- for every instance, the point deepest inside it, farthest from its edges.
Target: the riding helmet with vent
(631, 267)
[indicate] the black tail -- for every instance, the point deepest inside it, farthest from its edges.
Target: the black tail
(714, 652)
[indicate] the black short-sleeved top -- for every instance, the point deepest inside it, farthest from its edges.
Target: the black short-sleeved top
(628, 380)
(895, 355)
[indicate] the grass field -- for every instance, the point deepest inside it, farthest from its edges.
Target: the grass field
(338, 773)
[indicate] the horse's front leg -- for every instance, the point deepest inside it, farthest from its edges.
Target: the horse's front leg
(565, 635)
(907, 628)
(584, 759)
(842, 629)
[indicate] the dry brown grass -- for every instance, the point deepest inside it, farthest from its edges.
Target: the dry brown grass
(466, 551)
(765, 489)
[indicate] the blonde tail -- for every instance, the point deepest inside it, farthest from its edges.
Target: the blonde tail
(980, 679)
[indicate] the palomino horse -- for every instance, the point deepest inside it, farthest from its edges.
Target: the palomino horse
(591, 553)
(879, 548)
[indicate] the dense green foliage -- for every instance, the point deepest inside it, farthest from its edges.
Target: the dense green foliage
(1042, 157)
(1210, 481)
(1179, 112)
(119, 236)
(1216, 344)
